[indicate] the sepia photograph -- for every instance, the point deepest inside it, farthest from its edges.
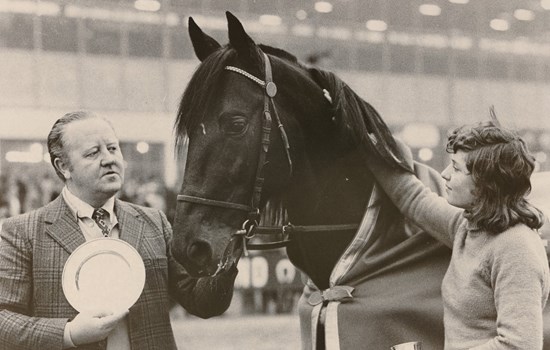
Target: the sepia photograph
(274, 174)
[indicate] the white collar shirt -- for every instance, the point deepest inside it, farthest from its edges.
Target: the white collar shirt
(119, 338)
(83, 213)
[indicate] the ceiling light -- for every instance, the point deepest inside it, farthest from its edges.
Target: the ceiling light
(541, 157)
(47, 8)
(147, 5)
(172, 19)
(376, 25)
(420, 135)
(459, 1)
(301, 15)
(425, 154)
(430, 10)
(323, 7)
(303, 30)
(545, 4)
(142, 147)
(41, 8)
(524, 15)
(271, 20)
(500, 25)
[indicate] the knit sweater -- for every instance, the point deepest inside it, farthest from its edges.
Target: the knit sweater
(496, 286)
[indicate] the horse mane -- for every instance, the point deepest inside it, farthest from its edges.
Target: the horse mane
(359, 120)
(279, 53)
(359, 124)
(203, 85)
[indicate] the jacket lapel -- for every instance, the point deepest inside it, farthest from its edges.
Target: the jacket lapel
(130, 223)
(62, 226)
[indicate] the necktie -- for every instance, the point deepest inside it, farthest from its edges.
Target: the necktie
(99, 216)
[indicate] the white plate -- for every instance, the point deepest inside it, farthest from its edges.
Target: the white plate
(103, 275)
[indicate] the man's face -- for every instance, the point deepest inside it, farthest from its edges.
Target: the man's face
(93, 168)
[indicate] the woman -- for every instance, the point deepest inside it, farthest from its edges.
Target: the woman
(497, 282)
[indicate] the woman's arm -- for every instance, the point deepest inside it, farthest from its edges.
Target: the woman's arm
(417, 202)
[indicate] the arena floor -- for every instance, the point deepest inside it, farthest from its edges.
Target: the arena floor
(257, 332)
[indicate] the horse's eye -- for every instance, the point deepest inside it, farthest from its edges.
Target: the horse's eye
(235, 126)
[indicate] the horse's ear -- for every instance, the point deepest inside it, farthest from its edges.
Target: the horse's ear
(239, 39)
(203, 44)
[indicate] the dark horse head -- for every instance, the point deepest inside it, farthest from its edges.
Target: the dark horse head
(311, 159)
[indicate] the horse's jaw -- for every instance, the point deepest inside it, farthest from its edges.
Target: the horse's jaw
(205, 250)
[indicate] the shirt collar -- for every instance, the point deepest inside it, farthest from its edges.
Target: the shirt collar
(81, 209)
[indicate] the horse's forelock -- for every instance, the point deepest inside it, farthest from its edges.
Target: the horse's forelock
(199, 91)
(203, 83)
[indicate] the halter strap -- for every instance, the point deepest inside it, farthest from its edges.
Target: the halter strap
(212, 202)
(270, 92)
(246, 74)
(251, 225)
(254, 208)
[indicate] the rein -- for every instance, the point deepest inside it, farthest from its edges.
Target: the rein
(250, 227)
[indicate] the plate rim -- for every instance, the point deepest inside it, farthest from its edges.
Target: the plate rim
(73, 300)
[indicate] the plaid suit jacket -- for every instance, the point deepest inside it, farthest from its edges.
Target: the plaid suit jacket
(34, 248)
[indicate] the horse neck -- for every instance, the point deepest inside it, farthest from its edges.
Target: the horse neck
(333, 190)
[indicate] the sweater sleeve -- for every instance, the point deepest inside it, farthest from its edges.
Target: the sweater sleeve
(519, 276)
(418, 203)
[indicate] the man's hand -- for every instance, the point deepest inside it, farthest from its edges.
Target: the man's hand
(88, 328)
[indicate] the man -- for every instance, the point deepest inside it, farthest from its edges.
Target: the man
(34, 313)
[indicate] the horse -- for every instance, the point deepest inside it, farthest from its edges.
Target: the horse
(263, 129)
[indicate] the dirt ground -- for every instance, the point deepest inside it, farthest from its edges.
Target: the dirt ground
(255, 332)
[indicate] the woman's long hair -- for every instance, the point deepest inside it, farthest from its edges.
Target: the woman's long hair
(501, 168)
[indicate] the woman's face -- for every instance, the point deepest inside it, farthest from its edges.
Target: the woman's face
(458, 182)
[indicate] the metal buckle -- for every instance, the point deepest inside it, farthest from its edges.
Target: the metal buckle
(285, 232)
(248, 227)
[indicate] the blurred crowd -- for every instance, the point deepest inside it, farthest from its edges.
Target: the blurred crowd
(27, 187)
(150, 192)
(22, 191)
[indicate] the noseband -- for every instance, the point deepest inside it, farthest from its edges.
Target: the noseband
(251, 227)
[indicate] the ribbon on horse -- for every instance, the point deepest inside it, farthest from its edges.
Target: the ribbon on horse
(336, 293)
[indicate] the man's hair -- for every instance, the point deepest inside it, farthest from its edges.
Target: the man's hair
(55, 137)
(501, 167)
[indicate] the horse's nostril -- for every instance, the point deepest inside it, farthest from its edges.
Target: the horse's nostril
(199, 252)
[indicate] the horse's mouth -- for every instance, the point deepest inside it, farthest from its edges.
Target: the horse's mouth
(229, 258)
(223, 265)
(201, 271)
(231, 255)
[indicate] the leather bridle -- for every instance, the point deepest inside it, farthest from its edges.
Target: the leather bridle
(251, 227)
